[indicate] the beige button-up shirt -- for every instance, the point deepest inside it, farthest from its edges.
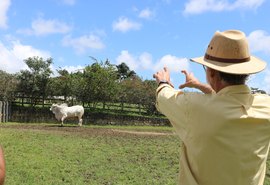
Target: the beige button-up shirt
(226, 136)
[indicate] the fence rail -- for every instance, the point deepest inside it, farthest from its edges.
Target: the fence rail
(113, 106)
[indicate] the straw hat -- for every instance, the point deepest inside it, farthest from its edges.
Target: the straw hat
(228, 52)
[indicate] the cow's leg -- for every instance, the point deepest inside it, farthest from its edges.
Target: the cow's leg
(63, 119)
(80, 121)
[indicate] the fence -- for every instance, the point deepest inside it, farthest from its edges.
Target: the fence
(4, 111)
(44, 115)
(109, 106)
(98, 113)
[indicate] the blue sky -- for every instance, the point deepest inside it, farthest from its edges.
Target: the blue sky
(146, 35)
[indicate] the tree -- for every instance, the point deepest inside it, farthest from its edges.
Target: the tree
(61, 85)
(100, 82)
(124, 71)
(257, 90)
(149, 96)
(33, 81)
(79, 87)
(8, 84)
(132, 91)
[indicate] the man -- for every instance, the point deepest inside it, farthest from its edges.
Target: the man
(225, 131)
(2, 167)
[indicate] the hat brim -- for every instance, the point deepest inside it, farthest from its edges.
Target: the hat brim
(255, 65)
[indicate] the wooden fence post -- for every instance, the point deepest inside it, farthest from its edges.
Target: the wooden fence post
(4, 111)
(1, 114)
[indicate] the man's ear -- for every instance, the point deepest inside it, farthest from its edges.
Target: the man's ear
(213, 73)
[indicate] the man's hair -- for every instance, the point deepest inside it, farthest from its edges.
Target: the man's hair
(233, 79)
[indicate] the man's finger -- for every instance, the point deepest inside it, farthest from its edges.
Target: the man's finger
(182, 86)
(156, 75)
(184, 72)
(165, 69)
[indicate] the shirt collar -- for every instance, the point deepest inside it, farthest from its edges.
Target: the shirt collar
(235, 89)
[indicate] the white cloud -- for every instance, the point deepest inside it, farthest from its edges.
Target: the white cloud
(12, 59)
(4, 5)
(44, 27)
(144, 61)
(247, 4)
(259, 41)
(267, 80)
(260, 80)
(123, 24)
(81, 44)
(127, 58)
(72, 69)
(146, 14)
(173, 63)
(200, 6)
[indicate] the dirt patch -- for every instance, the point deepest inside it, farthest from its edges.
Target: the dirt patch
(84, 131)
(144, 133)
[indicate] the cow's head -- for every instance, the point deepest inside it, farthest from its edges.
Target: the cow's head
(53, 108)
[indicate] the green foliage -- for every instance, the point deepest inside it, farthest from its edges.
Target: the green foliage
(257, 90)
(61, 85)
(136, 91)
(99, 82)
(8, 84)
(149, 97)
(33, 81)
(132, 90)
(123, 71)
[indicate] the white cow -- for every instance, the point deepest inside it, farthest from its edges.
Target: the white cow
(63, 111)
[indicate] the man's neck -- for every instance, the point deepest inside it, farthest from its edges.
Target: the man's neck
(218, 85)
(221, 86)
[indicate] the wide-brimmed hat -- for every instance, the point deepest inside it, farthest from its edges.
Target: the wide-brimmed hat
(228, 52)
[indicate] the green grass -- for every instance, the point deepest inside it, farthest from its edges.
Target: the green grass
(58, 155)
(48, 157)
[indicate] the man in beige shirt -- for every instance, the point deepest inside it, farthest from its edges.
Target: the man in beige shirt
(225, 130)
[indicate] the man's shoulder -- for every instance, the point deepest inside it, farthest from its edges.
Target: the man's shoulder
(262, 97)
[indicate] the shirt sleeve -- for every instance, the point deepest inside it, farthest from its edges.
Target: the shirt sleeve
(173, 104)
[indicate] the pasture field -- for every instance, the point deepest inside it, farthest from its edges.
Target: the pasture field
(39, 154)
(48, 154)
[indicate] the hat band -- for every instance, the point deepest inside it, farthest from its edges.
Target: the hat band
(226, 60)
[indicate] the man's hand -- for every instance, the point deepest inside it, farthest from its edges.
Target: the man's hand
(191, 81)
(163, 76)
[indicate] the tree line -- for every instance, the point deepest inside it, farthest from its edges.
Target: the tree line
(100, 82)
